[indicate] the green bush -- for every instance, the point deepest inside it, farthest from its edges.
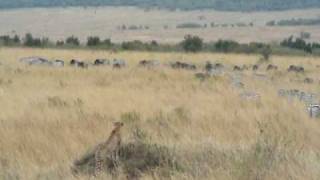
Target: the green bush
(192, 43)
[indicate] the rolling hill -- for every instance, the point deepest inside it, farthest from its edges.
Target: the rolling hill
(230, 5)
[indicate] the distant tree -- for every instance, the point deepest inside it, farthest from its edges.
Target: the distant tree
(154, 43)
(266, 53)
(107, 42)
(315, 45)
(60, 43)
(16, 39)
(226, 45)
(298, 43)
(45, 41)
(192, 43)
(190, 25)
(28, 40)
(133, 45)
(271, 23)
(5, 40)
(72, 40)
(93, 41)
(36, 42)
(308, 48)
(134, 27)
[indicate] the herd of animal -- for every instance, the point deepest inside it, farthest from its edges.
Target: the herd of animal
(207, 71)
(120, 63)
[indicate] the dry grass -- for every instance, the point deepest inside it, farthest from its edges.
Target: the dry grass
(58, 23)
(49, 117)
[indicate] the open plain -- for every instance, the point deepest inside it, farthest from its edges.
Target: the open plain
(159, 25)
(51, 116)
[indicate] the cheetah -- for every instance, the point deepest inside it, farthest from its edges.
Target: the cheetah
(109, 149)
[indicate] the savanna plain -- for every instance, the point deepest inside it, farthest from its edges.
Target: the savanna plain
(189, 128)
(157, 24)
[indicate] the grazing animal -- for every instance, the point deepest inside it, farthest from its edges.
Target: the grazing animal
(149, 63)
(237, 68)
(118, 63)
(314, 110)
(77, 63)
(208, 67)
(58, 63)
(183, 65)
(98, 62)
(73, 62)
(109, 149)
(213, 70)
(255, 67)
(297, 69)
(272, 67)
(35, 61)
(308, 80)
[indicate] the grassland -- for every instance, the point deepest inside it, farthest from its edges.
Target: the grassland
(51, 116)
(59, 23)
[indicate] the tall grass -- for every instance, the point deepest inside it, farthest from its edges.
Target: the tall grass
(50, 117)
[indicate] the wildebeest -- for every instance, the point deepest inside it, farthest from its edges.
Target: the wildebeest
(297, 69)
(74, 62)
(209, 66)
(118, 63)
(237, 68)
(149, 63)
(308, 80)
(183, 65)
(272, 67)
(214, 70)
(98, 62)
(240, 68)
(77, 63)
(255, 67)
